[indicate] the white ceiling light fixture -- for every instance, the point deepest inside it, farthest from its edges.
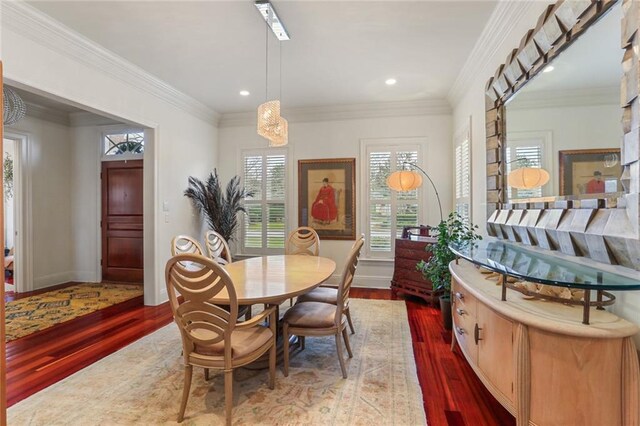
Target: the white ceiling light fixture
(390, 81)
(244, 93)
(272, 19)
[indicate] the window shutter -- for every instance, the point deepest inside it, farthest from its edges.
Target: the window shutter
(463, 175)
(533, 155)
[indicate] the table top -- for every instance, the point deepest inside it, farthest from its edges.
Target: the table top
(274, 279)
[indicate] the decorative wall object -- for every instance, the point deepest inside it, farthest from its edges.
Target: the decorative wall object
(587, 171)
(13, 107)
(326, 197)
(604, 229)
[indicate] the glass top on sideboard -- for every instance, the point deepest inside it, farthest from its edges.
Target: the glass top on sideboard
(536, 266)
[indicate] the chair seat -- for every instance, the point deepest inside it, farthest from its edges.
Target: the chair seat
(320, 294)
(311, 315)
(243, 341)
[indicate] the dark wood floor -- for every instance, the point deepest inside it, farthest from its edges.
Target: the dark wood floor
(451, 392)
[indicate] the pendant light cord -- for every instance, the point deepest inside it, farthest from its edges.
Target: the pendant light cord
(266, 62)
(280, 70)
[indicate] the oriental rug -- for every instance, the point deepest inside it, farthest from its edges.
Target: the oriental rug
(35, 313)
(142, 383)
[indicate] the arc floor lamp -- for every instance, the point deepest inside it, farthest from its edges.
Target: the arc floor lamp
(408, 180)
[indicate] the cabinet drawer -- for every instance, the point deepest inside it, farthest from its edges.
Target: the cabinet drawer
(463, 328)
(462, 301)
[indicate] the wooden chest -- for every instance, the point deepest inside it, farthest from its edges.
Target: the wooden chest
(406, 279)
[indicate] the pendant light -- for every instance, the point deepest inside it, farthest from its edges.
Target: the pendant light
(271, 125)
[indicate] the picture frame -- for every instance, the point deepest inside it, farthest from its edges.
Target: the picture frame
(590, 171)
(327, 197)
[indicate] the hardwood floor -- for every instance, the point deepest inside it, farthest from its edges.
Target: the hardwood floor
(452, 393)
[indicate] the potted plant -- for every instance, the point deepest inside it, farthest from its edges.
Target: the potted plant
(220, 208)
(436, 269)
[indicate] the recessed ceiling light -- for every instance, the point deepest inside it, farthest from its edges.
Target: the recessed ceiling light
(390, 81)
(244, 93)
(548, 68)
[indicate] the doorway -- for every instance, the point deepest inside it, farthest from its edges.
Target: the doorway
(122, 221)
(9, 193)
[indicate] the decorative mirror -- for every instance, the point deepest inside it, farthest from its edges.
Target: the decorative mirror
(562, 172)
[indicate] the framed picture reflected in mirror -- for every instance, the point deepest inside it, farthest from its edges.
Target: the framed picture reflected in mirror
(590, 171)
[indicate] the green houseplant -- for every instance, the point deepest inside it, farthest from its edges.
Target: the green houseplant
(436, 269)
(220, 208)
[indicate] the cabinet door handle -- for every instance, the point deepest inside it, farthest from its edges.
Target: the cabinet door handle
(459, 295)
(460, 330)
(476, 333)
(460, 311)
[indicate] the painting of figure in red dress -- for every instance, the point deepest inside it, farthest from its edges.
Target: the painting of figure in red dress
(327, 197)
(324, 209)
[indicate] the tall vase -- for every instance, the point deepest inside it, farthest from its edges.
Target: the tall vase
(445, 311)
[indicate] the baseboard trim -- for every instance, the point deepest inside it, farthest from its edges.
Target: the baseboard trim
(53, 279)
(363, 281)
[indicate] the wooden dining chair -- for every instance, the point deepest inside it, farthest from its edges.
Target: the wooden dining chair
(184, 244)
(303, 241)
(217, 247)
(330, 295)
(211, 336)
(323, 319)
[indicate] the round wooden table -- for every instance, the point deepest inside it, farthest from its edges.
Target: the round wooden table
(274, 279)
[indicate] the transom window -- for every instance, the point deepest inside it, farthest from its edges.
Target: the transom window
(123, 143)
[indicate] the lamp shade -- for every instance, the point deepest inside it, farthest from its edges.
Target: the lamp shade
(268, 117)
(527, 178)
(404, 180)
(279, 134)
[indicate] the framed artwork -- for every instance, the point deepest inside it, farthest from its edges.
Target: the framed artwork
(590, 171)
(326, 197)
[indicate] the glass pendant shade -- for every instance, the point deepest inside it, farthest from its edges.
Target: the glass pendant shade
(279, 133)
(268, 118)
(404, 180)
(527, 178)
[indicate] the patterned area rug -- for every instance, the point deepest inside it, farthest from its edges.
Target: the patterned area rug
(142, 383)
(35, 313)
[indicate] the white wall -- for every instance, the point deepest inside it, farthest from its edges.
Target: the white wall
(50, 61)
(341, 139)
(49, 166)
(472, 103)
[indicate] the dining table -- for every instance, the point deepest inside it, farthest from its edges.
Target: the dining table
(272, 280)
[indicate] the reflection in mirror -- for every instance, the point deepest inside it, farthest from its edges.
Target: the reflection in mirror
(566, 120)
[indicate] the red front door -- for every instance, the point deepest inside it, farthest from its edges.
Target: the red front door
(122, 243)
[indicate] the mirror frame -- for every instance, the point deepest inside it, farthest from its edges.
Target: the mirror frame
(604, 229)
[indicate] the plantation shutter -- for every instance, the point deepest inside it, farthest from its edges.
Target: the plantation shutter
(388, 211)
(530, 156)
(264, 226)
(463, 175)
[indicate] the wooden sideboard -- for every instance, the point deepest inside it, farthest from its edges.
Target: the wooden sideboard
(406, 279)
(538, 359)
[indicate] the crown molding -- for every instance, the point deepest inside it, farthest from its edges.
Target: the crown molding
(51, 115)
(502, 21)
(345, 112)
(566, 98)
(29, 22)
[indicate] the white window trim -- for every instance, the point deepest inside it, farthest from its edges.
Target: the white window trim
(252, 252)
(366, 145)
(110, 130)
(462, 135)
(516, 138)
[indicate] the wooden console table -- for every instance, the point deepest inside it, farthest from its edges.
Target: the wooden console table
(406, 279)
(540, 361)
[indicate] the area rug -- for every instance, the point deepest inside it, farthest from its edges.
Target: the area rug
(35, 313)
(142, 383)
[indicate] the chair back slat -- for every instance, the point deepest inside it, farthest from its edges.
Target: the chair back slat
(303, 241)
(185, 244)
(347, 278)
(217, 247)
(197, 280)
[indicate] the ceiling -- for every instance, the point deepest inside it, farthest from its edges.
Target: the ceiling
(341, 52)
